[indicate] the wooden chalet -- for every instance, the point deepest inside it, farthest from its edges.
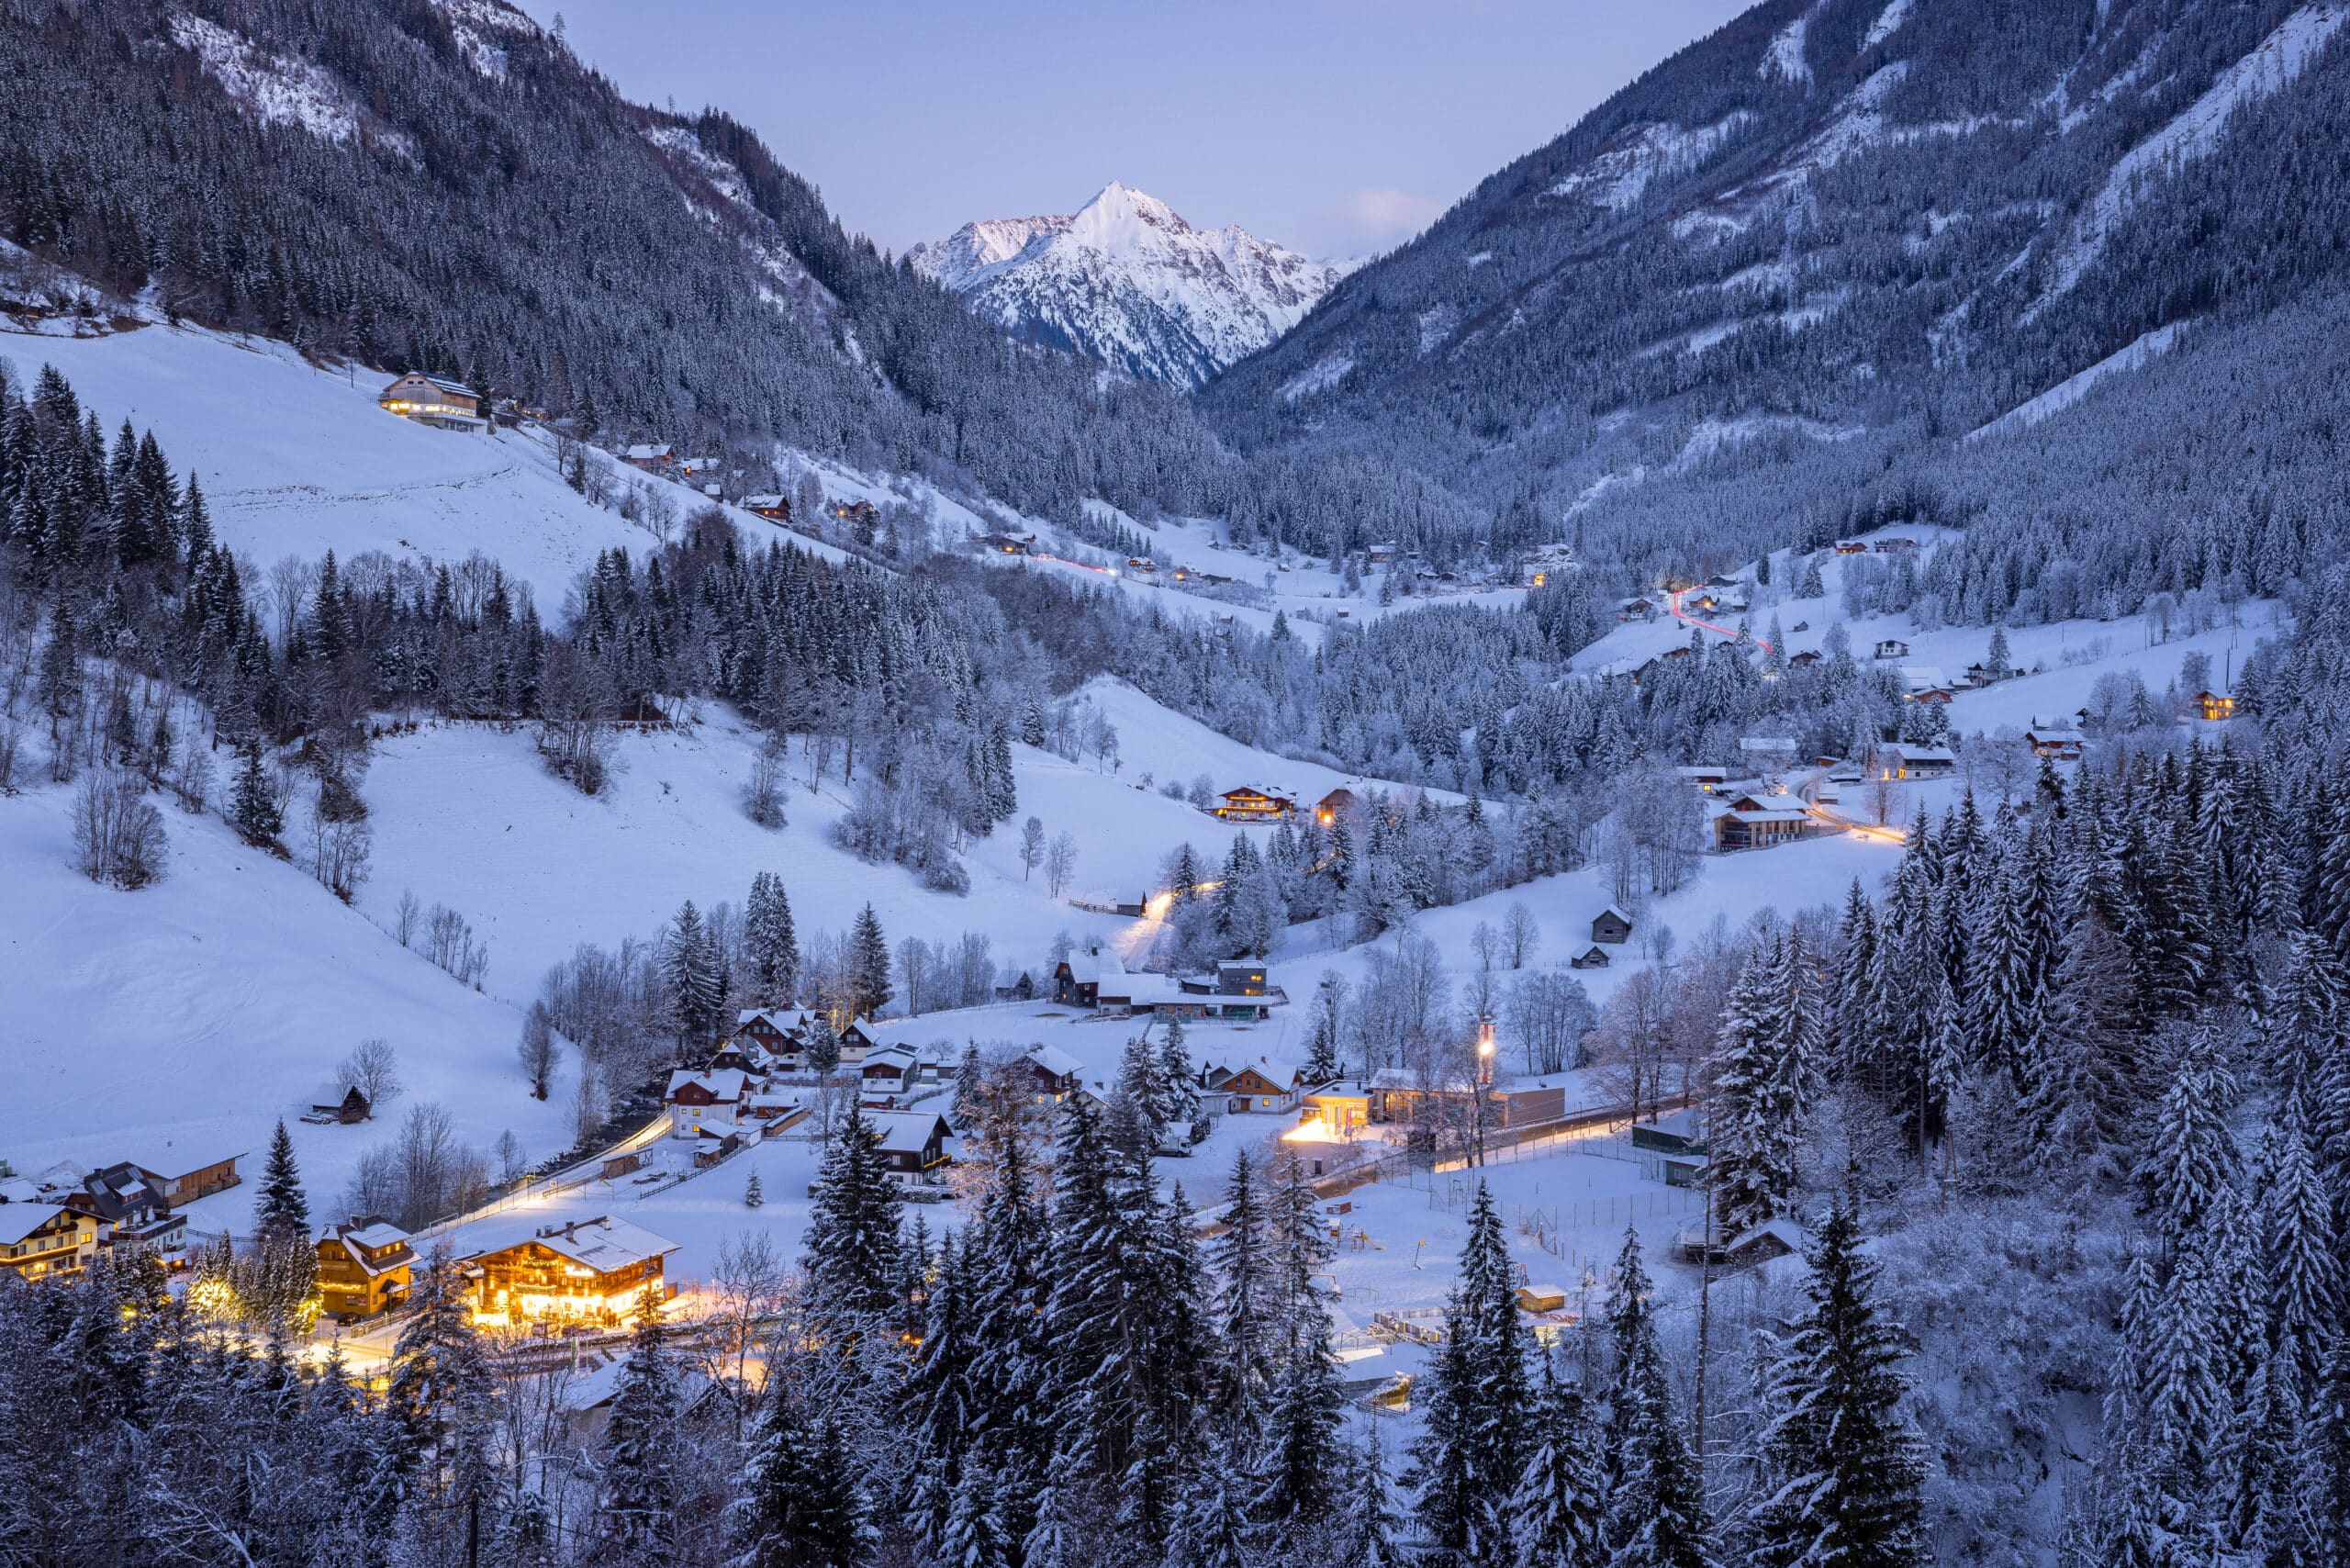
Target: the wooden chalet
(2214, 706)
(37, 1240)
(912, 1143)
(1248, 804)
(1802, 660)
(592, 1269)
(857, 514)
(1611, 925)
(1755, 821)
(1850, 547)
(1261, 1085)
(653, 457)
(363, 1267)
(887, 1071)
(774, 509)
(1892, 648)
(181, 1181)
(1007, 543)
(430, 400)
(765, 1034)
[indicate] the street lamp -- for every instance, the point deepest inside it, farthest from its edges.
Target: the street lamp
(1483, 1110)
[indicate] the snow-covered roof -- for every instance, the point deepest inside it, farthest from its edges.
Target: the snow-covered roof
(1772, 744)
(1924, 753)
(604, 1244)
(1055, 1061)
(382, 1233)
(762, 503)
(647, 449)
(20, 1220)
(1701, 771)
(1617, 911)
(903, 1132)
(1917, 678)
(1091, 969)
(728, 1083)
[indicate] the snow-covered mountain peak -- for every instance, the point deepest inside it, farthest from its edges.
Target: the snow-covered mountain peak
(1127, 280)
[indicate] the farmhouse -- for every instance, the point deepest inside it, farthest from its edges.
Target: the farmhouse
(912, 1143)
(1705, 775)
(1248, 805)
(429, 400)
(887, 1071)
(1803, 660)
(1893, 648)
(653, 457)
(1611, 925)
(2214, 705)
(180, 1182)
(763, 1035)
(1906, 761)
(587, 1268)
(363, 1267)
(775, 508)
(1340, 802)
(45, 1239)
(1753, 822)
(1850, 547)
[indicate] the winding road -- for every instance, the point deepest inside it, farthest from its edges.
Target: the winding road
(1672, 607)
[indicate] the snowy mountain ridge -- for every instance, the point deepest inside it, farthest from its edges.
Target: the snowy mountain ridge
(1125, 280)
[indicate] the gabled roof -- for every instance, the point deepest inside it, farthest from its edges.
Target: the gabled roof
(603, 1243)
(649, 449)
(20, 1220)
(728, 1083)
(1055, 1061)
(904, 1132)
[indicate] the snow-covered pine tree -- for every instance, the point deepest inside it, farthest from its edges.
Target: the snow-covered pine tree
(1301, 1466)
(799, 1504)
(2303, 1268)
(690, 971)
(253, 809)
(442, 1400)
(1177, 1082)
(1845, 1469)
(1472, 1450)
(852, 1256)
(1322, 1049)
(868, 966)
(1139, 1081)
(639, 1458)
(1246, 1306)
(1372, 1540)
(752, 1196)
(771, 945)
(1560, 1505)
(1656, 1510)
(2082, 1107)
(2190, 1155)
(283, 1213)
(1752, 1119)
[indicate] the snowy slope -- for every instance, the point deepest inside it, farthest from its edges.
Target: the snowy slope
(1126, 281)
(296, 459)
(199, 1010)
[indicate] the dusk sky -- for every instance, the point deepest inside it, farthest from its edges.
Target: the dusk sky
(1338, 129)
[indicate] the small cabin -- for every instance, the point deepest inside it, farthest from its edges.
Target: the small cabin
(653, 457)
(1917, 762)
(1706, 776)
(1803, 660)
(1850, 547)
(1021, 989)
(1611, 925)
(2053, 737)
(1340, 802)
(1592, 957)
(775, 508)
(430, 400)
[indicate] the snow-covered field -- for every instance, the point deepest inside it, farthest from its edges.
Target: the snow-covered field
(185, 1019)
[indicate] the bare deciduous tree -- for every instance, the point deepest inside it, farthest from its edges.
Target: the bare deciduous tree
(373, 1068)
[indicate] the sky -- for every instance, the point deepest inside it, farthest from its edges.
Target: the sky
(1337, 127)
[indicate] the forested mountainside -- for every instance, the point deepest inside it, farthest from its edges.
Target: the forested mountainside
(440, 184)
(1764, 289)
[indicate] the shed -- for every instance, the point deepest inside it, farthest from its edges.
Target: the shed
(1612, 926)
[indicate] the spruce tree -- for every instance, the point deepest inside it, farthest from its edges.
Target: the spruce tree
(1656, 1512)
(1322, 1050)
(253, 809)
(1753, 1117)
(1472, 1452)
(752, 1196)
(640, 1457)
(799, 1504)
(283, 1213)
(852, 1258)
(770, 947)
(690, 969)
(1845, 1469)
(1370, 1543)
(868, 965)
(1247, 1307)
(1557, 1511)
